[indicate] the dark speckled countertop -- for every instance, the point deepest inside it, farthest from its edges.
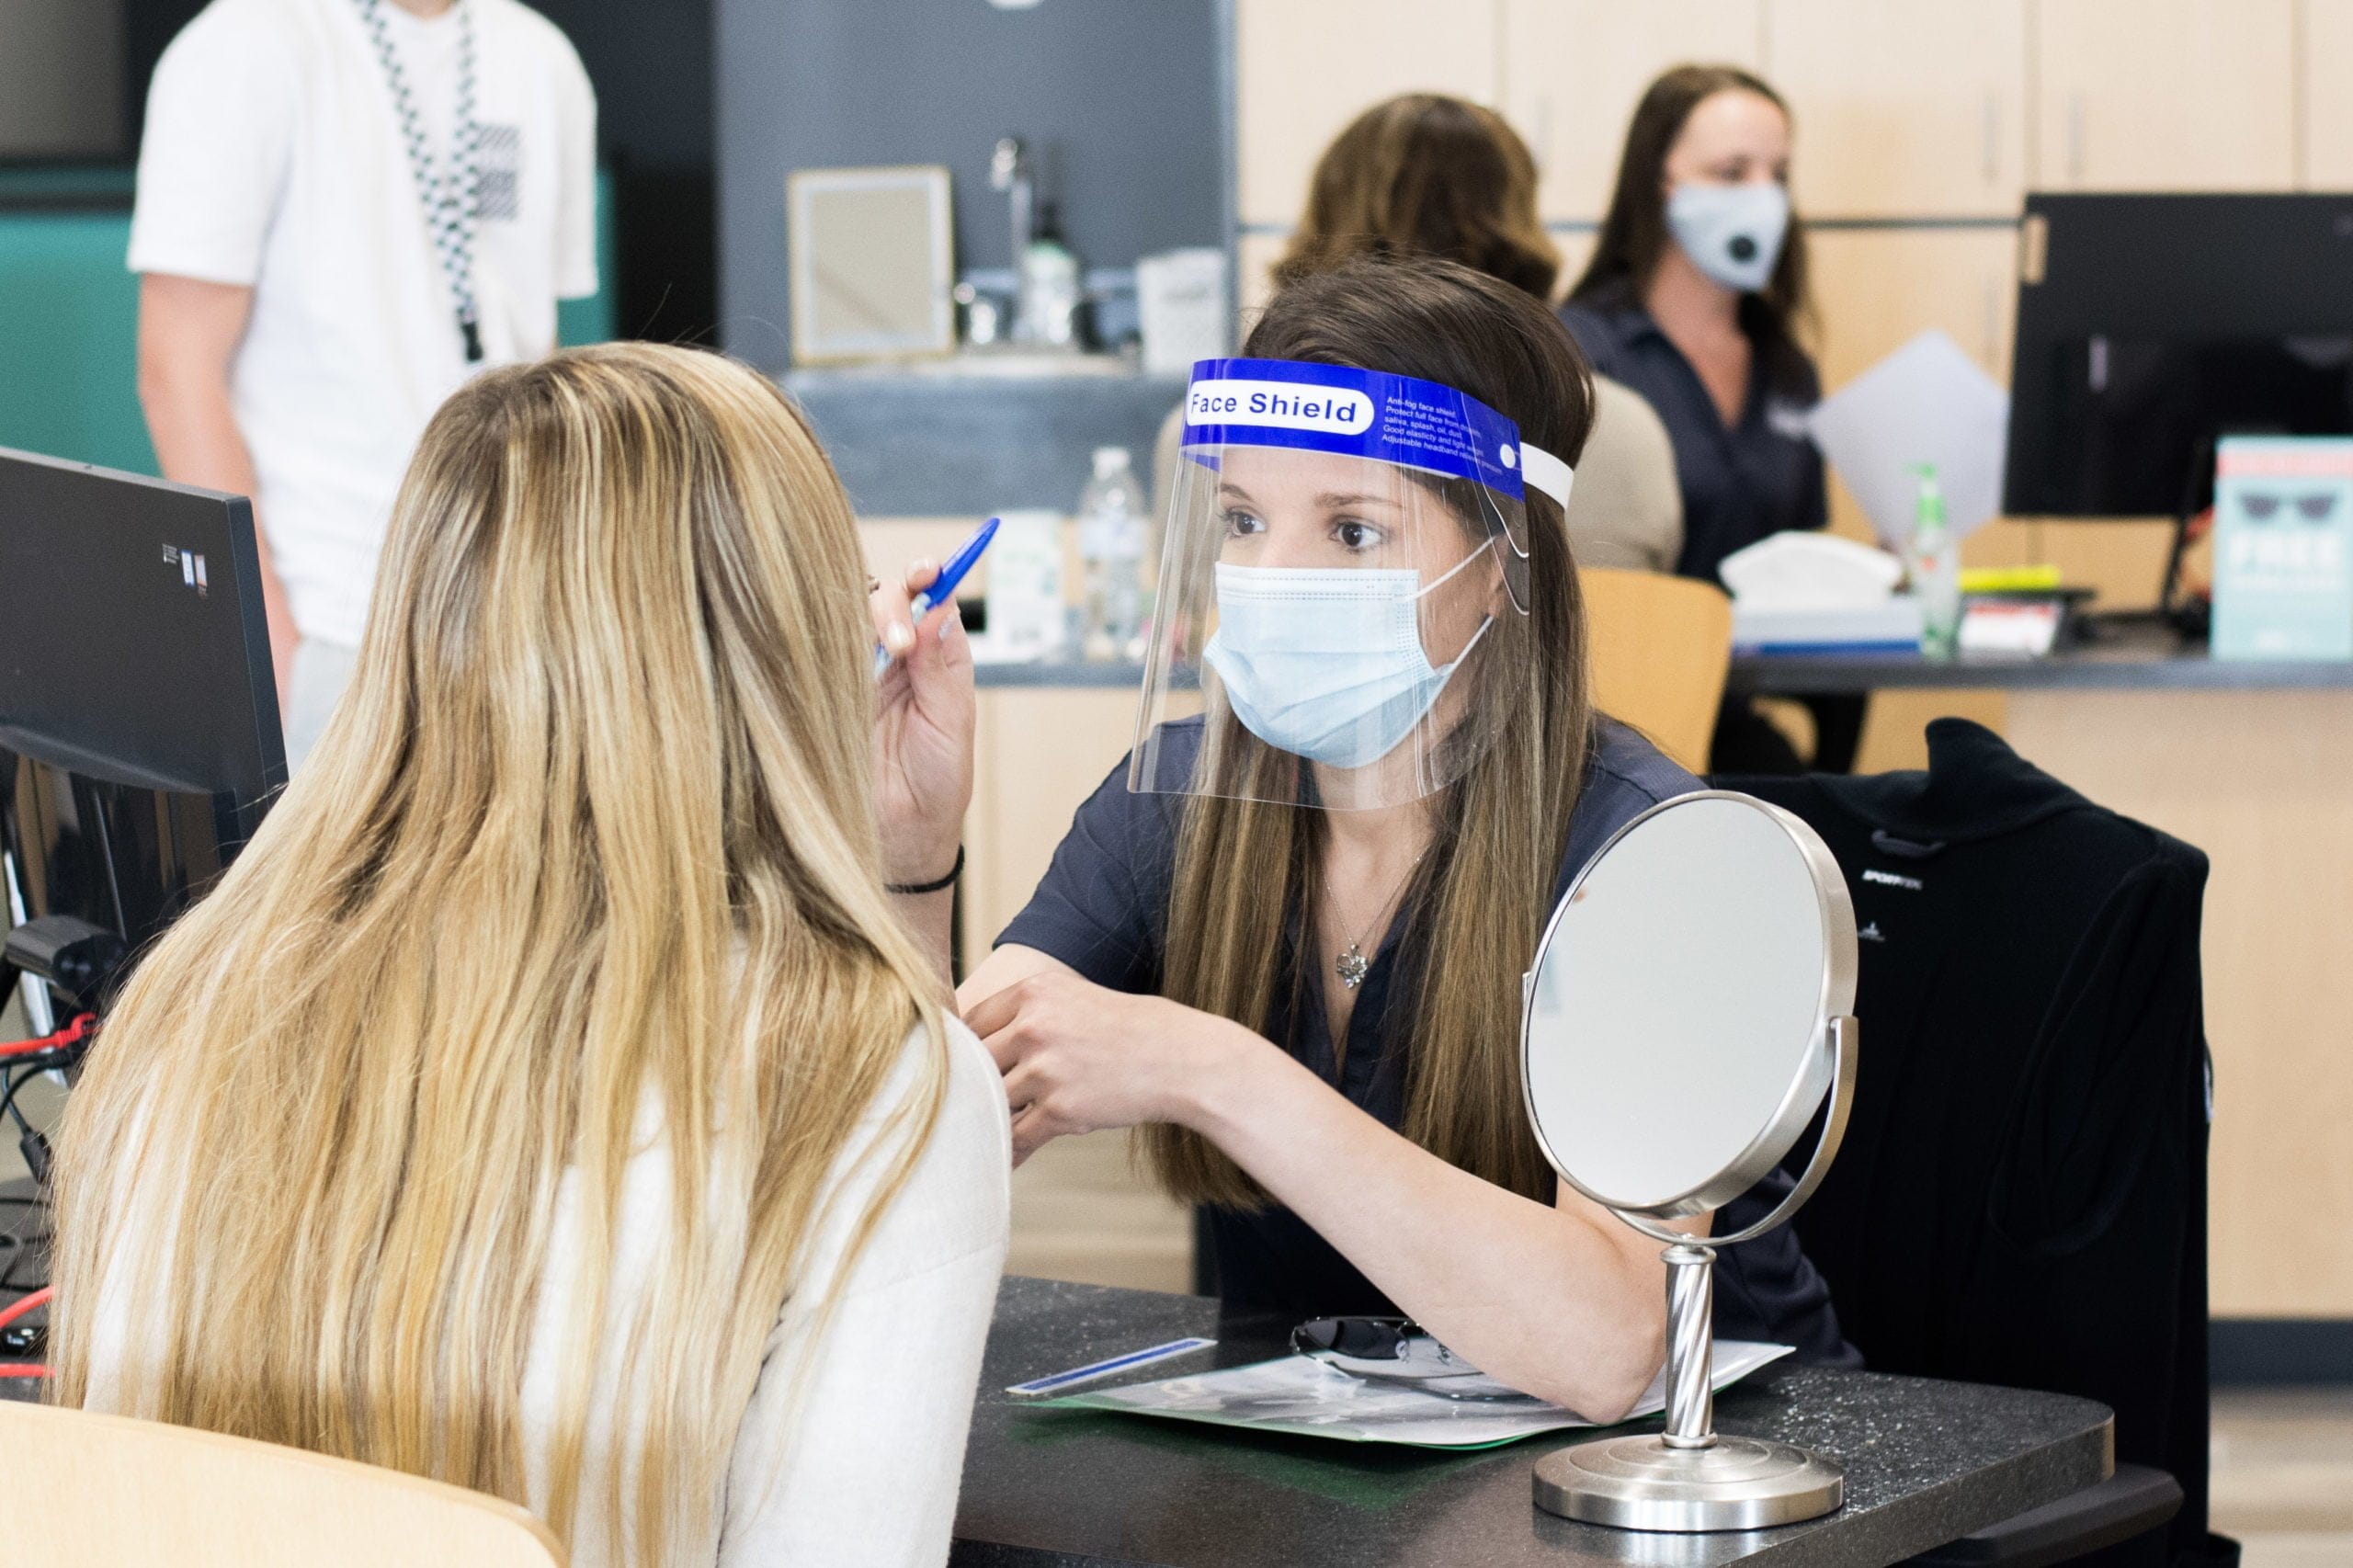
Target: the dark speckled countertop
(1927, 1461)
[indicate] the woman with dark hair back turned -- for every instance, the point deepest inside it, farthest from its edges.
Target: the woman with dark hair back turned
(1422, 174)
(1285, 938)
(1694, 298)
(551, 1100)
(1428, 175)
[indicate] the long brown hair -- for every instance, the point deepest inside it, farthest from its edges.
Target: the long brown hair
(1482, 890)
(592, 832)
(1427, 175)
(1635, 233)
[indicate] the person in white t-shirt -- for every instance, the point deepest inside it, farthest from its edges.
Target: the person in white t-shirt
(344, 208)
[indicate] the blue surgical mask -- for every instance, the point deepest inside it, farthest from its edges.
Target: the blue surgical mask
(1327, 664)
(1731, 233)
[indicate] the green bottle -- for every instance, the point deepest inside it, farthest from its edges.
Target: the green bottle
(1935, 563)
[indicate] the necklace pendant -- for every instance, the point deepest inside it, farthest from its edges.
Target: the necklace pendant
(1352, 967)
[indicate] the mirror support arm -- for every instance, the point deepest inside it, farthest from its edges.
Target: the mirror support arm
(1841, 1034)
(1690, 1347)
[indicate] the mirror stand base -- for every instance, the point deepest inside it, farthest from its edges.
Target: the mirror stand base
(1641, 1483)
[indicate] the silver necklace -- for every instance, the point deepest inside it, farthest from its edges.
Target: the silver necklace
(1352, 965)
(450, 190)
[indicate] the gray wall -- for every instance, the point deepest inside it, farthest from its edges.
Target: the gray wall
(60, 79)
(1124, 101)
(650, 61)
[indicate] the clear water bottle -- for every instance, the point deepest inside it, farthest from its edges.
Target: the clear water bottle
(1934, 563)
(1112, 528)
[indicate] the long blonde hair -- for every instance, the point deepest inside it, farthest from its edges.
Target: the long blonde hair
(593, 829)
(1482, 890)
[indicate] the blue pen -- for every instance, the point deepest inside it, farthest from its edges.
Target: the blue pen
(942, 586)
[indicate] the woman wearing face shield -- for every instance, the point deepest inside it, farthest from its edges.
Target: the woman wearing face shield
(1284, 938)
(1696, 287)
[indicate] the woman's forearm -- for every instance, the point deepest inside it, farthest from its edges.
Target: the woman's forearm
(1562, 1302)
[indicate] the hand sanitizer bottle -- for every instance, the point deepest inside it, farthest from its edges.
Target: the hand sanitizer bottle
(1934, 563)
(1050, 284)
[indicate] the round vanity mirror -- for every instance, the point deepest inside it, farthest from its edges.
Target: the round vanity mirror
(1687, 1013)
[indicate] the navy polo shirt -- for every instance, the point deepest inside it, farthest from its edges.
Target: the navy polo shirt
(1761, 475)
(1102, 909)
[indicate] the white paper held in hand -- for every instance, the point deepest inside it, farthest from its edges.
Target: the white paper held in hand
(1926, 403)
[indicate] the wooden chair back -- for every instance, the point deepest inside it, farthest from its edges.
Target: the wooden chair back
(1660, 648)
(86, 1491)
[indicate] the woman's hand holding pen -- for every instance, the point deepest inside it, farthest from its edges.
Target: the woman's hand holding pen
(923, 718)
(1078, 1057)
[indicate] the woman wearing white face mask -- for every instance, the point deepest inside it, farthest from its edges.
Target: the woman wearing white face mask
(1284, 938)
(1696, 287)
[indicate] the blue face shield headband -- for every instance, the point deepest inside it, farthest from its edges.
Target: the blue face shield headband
(1320, 647)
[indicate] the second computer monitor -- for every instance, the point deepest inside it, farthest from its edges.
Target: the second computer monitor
(139, 727)
(2150, 325)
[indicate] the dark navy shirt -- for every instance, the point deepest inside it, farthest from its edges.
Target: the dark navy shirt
(1761, 475)
(1102, 909)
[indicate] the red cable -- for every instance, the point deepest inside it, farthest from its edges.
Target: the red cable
(17, 1309)
(24, 1369)
(71, 1034)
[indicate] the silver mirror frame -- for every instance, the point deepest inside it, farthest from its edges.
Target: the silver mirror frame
(1836, 1002)
(1687, 1478)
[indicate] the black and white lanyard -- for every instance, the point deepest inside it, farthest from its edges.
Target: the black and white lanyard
(450, 188)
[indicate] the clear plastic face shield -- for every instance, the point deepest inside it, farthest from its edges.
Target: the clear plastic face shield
(1342, 614)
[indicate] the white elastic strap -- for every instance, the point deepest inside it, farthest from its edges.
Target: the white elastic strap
(1547, 472)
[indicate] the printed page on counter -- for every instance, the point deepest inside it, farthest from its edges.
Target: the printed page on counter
(1300, 1395)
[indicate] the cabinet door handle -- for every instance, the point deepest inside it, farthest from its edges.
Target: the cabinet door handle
(2075, 136)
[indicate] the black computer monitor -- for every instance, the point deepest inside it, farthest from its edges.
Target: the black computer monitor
(2149, 326)
(139, 730)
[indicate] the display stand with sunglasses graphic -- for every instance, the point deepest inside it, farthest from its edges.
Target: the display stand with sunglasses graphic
(2283, 548)
(1687, 1013)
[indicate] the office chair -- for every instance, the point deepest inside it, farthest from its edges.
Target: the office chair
(84, 1491)
(1659, 648)
(2021, 1196)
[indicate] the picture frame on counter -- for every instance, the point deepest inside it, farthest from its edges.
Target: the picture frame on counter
(871, 256)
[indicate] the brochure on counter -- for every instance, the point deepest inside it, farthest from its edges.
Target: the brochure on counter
(1300, 1395)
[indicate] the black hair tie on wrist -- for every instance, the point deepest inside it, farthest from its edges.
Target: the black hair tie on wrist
(947, 881)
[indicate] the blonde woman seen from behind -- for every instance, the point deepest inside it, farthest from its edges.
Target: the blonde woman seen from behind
(550, 1099)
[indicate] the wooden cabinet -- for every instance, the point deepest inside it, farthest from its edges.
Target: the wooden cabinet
(1573, 70)
(2327, 89)
(1255, 264)
(1304, 68)
(1875, 288)
(1041, 752)
(2165, 94)
(2257, 780)
(1903, 108)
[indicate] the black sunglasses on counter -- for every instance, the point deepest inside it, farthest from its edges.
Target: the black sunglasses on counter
(1398, 1351)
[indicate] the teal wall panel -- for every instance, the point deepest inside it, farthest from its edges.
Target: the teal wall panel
(69, 332)
(69, 317)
